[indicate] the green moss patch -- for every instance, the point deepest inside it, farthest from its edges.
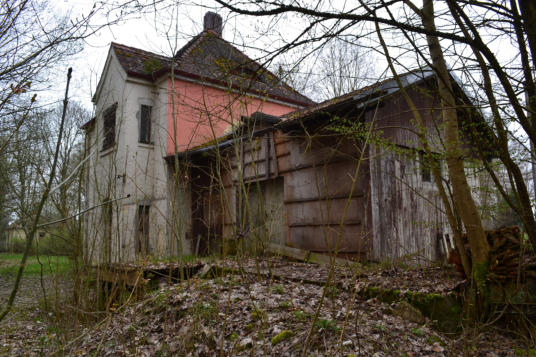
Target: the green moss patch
(444, 310)
(282, 336)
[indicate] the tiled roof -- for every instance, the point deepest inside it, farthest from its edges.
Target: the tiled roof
(210, 58)
(138, 62)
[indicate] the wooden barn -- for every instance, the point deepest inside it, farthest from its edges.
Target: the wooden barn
(346, 175)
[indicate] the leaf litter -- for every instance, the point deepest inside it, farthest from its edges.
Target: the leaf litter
(268, 307)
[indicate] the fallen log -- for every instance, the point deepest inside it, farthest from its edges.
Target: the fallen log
(307, 256)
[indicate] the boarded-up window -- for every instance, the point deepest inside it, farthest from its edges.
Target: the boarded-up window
(145, 124)
(109, 127)
(143, 229)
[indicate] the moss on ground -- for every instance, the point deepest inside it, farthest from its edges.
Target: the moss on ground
(444, 310)
(282, 336)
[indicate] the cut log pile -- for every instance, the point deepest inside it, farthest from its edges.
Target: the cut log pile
(511, 258)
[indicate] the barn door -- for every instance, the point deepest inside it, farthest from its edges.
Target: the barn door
(213, 220)
(265, 218)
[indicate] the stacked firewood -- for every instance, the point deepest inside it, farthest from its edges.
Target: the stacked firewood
(511, 258)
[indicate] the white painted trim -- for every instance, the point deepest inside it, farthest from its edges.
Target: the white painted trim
(146, 146)
(108, 151)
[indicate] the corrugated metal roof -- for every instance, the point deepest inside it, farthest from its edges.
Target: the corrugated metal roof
(365, 95)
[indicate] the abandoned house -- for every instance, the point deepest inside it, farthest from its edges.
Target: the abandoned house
(346, 175)
(208, 150)
(148, 107)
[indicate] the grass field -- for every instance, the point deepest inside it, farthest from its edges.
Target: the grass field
(9, 264)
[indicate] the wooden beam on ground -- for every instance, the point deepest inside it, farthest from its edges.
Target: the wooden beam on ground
(128, 276)
(305, 255)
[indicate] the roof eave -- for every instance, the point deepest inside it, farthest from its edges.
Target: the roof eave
(88, 125)
(161, 74)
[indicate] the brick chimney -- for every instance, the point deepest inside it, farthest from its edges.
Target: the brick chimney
(213, 22)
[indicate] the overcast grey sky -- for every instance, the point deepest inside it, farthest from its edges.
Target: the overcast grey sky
(156, 31)
(145, 31)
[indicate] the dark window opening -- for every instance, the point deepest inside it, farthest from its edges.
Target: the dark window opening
(426, 172)
(107, 212)
(109, 127)
(145, 124)
(143, 229)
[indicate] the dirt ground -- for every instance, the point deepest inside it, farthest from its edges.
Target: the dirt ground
(29, 329)
(273, 307)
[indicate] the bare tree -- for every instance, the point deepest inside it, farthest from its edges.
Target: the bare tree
(343, 66)
(31, 229)
(36, 39)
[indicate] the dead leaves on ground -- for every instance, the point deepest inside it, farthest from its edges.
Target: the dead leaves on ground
(268, 308)
(247, 316)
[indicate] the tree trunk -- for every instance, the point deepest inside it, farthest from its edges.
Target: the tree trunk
(454, 156)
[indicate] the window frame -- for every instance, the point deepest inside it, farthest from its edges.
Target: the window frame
(424, 166)
(143, 224)
(145, 118)
(109, 119)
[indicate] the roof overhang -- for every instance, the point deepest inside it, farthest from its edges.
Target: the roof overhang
(229, 139)
(87, 126)
(105, 70)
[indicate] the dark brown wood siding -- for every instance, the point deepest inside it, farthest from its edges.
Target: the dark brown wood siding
(397, 124)
(318, 195)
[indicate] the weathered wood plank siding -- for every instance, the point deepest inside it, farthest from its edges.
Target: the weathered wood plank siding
(253, 191)
(318, 183)
(265, 217)
(301, 201)
(397, 124)
(294, 186)
(406, 211)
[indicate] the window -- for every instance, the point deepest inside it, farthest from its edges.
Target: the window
(145, 124)
(426, 172)
(109, 127)
(143, 229)
(107, 212)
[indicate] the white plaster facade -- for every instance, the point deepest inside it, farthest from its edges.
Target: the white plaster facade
(130, 173)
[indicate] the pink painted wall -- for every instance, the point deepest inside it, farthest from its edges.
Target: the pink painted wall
(205, 113)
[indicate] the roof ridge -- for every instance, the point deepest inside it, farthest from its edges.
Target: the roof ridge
(186, 60)
(205, 33)
(264, 68)
(115, 44)
(188, 47)
(369, 89)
